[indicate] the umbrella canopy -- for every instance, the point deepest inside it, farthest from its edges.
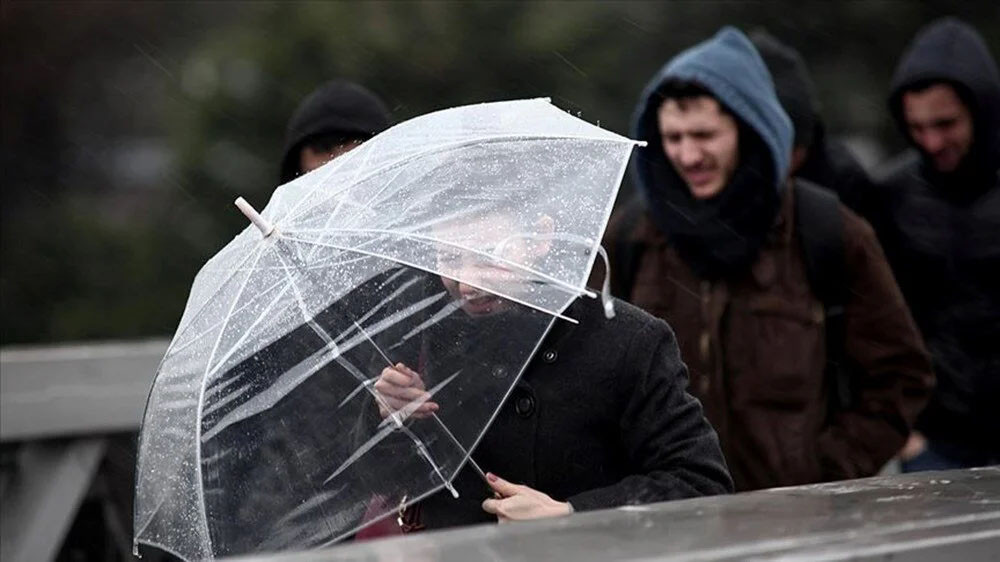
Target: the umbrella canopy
(448, 243)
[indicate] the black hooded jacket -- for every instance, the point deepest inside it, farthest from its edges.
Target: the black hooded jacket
(337, 107)
(828, 162)
(941, 233)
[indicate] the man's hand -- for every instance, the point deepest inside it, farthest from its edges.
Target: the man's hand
(402, 389)
(521, 503)
(915, 445)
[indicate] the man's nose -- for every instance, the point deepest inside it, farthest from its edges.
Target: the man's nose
(932, 141)
(690, 154)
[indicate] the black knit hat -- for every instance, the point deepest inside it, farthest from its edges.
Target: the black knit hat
(792, 83)
(337, 107)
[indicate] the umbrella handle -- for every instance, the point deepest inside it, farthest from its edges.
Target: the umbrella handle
(265, 226)
(609, 305)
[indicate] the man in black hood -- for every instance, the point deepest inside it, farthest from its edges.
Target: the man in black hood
(815, 157)
(333, 119)
(941, 218)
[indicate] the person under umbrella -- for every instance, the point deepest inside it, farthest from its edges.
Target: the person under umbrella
(262, 433)
(600, 418)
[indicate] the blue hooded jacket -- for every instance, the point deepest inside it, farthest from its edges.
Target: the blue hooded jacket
(724, 233)
(729, 66)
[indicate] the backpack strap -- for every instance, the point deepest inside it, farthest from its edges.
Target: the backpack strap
(820, 227)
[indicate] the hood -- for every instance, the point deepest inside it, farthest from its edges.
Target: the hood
(718, 236)
(336, 107)
(729, 66)
(794, 86)
(952, 51)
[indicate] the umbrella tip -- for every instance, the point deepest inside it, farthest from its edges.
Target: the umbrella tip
(266, 228)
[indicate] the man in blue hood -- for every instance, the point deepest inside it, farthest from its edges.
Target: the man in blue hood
(940, 224)
(717, 250)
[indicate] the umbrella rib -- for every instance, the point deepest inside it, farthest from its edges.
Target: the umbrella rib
(392, 296)
(207, 330)
(197, 313)
(391, 320)
(414, 404)
(367, 204)
(445, 310)
(431, 271)
(337, 355)
(311, 504)
(378, 438)
(249, 329)
(328, 339)
(367, 446)
(201, 401)
(424, 452)
(433, 240)
(261, 402)
(331, 344)
(371, 341)
(385, 428)
(398, 291)
(359, 388)
(442, 148)
(412, 407)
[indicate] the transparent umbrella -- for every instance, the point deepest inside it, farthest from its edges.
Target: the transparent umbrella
(449, 243)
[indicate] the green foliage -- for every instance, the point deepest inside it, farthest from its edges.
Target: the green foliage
(87, 254)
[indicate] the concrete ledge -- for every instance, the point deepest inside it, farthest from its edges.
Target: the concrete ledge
(58, 391)
(927, 516)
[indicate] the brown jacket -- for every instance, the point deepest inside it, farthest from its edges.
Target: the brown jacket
(755, 349)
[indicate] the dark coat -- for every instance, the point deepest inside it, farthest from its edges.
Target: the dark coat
(600, 418)
(828, 162)
(941, 233)
(754, 344)
(753, 333)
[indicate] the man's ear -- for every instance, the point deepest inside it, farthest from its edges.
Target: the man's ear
(544, 226)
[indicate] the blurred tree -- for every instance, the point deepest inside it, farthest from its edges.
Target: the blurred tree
(128, 129)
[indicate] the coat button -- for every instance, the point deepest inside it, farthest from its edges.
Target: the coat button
(525, 405)
(550, 356)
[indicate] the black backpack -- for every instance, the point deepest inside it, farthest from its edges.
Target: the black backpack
(820, 228)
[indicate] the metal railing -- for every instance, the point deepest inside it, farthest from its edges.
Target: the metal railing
(58, 406)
